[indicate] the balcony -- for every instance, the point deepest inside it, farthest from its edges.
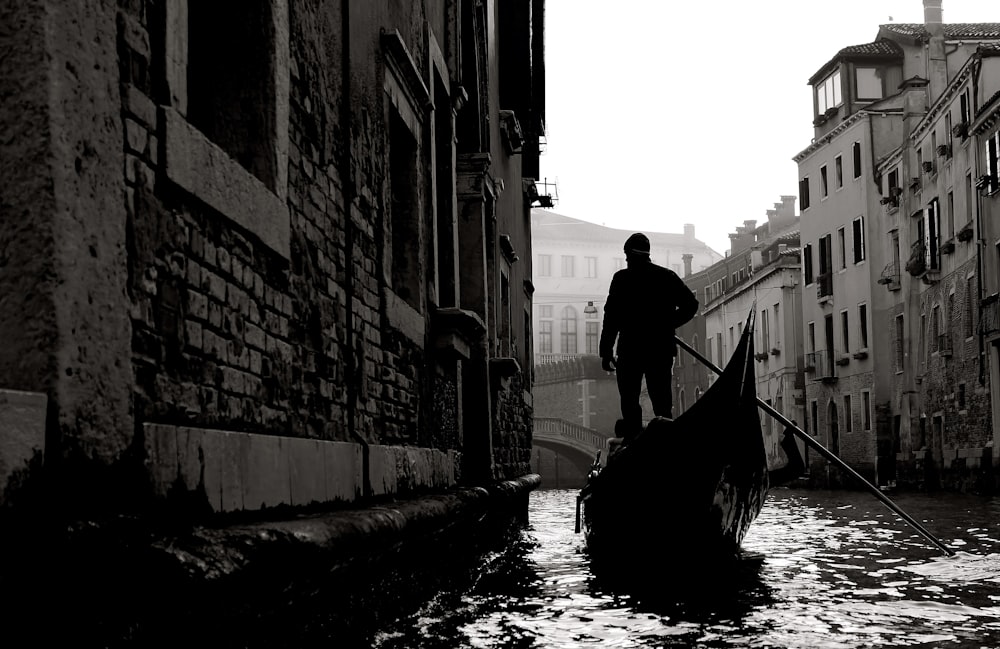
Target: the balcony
(824, 287)
(890, 276)
(545, 359)
(820, 366)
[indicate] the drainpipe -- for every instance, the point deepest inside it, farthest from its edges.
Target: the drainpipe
(354, 349)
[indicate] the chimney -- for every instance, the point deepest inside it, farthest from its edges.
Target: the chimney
(937, 69)
(689, 231)
(750, 224)
(687, 257)
(788, 205)
(933, 18)
(772, 214)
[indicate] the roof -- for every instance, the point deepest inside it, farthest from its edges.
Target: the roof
(884, 49)
(952, 31)
(559, 226)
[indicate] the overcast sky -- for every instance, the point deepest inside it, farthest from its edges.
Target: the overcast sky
(666, 112)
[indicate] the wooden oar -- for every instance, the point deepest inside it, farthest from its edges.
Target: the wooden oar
(822, 450)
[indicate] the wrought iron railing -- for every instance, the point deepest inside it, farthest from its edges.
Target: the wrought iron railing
(890, 276)
(824, 285)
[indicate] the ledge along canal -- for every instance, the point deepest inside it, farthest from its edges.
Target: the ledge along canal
(822, 569)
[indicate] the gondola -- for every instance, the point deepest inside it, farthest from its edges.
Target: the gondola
(684, 491)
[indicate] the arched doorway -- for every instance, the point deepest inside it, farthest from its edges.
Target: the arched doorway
(834, 429)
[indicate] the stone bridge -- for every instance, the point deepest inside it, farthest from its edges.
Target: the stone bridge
(578, 444)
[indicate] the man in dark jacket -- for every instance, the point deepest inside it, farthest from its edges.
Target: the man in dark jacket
(646, 303)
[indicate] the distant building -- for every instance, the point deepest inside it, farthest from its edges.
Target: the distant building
(759, 279)
(573, 264)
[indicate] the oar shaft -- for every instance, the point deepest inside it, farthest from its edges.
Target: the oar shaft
(829, 455)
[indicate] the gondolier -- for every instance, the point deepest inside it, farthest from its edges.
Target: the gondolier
(646, 303)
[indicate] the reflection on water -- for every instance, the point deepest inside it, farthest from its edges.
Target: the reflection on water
(822, 570)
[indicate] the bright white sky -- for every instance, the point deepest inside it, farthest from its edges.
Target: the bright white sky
(666, 112)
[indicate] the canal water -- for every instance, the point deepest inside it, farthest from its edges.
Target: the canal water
(822, 569)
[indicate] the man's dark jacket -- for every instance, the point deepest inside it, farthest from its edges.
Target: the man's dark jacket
(646, 303)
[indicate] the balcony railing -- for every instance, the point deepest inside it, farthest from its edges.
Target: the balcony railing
(890, 276)
(820, 365)
(545, 359)
(824, 285)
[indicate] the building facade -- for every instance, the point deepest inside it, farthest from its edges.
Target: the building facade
(760, 278)
(896, 381)
(274, 256)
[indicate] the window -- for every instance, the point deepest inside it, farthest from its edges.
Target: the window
(545, 265)
(950, 207)
(719, 350)
(845, 331)
(567, 337)
(892, 182)
(825, 254)
(591, 266)
(776, 327)
(969, 198)
(828, 93)
(866, 410)
(592, 341)
(804, 193)
(931, 235)
(694, 343)
(619, 263)
(961, 396)
(838, 167)
(859, 239)
(708, 349)
(545, 329)
(863, 325)
(568, 269)
(857, 159)
(900, 344)
(807, 263)
(848, 415)
(842, 241)
(965, 105)
(405, 219)
(812, 336)
(970, 306)
(824, 189)
(765, 343)
(814, 418)
(993, 162)
(868, 83)
(211, 144)
(545, 337)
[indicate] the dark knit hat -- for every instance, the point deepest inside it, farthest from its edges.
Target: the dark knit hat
(637, 244)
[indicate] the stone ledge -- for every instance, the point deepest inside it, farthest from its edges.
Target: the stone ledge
(22, 422)
(245, 471)
(201, 167)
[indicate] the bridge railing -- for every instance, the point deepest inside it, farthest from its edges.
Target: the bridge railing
(569, 430)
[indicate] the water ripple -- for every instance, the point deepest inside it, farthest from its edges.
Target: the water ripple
(825, 570)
